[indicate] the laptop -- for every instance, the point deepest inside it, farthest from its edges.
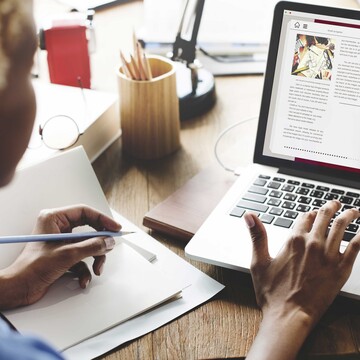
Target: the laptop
(307, 147)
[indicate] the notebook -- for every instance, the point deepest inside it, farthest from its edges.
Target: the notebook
(307, 150)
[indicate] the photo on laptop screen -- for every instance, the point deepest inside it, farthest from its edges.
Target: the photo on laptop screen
(311, 107)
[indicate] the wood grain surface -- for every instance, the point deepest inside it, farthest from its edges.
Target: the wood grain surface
(225, 326)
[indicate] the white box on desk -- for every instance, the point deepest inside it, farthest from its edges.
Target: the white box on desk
(95, 112)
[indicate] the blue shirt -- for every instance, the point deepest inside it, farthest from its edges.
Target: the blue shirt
(14, 346)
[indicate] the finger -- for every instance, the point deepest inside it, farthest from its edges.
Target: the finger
(98, 265)
(305, 222)
(69, 217)
(92, 247)
(338, 227)
(323, 218)
(81, 271)
(260, 254)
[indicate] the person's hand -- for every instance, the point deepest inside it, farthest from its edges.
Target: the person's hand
(296, 287)
(40, 264)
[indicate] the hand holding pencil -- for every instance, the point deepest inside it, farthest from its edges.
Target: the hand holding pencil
(138, 67)
(41, 263)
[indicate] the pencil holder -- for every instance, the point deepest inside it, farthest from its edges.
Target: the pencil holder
(149, 111)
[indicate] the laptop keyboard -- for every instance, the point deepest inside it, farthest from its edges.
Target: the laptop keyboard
(279, 201)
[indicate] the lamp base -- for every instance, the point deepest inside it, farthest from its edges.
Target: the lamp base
(194, 103)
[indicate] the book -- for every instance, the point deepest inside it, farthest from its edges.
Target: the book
(95, 113)
(183, 212)
(129, 285)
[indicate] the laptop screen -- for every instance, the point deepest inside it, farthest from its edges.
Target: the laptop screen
(310, 112)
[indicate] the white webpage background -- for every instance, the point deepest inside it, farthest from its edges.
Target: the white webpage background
(332, 134)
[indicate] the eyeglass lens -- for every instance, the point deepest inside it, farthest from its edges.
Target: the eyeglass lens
(60, 132)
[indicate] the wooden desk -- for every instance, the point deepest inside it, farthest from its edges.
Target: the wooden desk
(225, 326)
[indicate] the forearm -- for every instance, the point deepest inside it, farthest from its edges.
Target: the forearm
(280, 336)
(12, 290)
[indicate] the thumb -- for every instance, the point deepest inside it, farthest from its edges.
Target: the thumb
(260, 255)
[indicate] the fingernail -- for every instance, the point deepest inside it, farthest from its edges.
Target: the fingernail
(87, 283)
(249, 220)
(109, 243)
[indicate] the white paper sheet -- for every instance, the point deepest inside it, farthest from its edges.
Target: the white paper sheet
(68, 314)
(202, 288)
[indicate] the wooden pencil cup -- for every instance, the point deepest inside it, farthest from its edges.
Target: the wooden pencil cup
(149, 111)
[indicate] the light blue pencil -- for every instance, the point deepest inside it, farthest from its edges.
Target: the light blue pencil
(61, 236)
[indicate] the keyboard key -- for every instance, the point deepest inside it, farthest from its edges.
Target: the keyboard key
(258, 190)
(358, 221)
(290, 214)
(338, 191)
(275, 193)
(260, 182)
(352, 194)
(266, 177)
(238, 212)
(323, 188)
(304, 200)
(346, 207)
(308, 185)
(331, 196)
(266, 218)
(273, 185)
(254, 197)
(352, 228)
(286, 223)
(318, 203)
(276, 211)
(317, 194)
(290, 197)
(346, 200)
(357, 202)
(348, 235)
(288, 188)
(274, 202)
(302, 191)
(288, 205)
(279, 179)
(252, 206)
(293, 182)
(303, 208)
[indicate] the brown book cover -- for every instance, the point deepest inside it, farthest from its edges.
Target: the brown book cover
(183, 212)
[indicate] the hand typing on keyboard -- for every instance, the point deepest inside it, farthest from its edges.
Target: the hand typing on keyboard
(296, 287)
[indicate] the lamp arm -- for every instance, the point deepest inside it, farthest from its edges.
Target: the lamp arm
(185, 50)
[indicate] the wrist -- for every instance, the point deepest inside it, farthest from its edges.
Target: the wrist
(281, 334)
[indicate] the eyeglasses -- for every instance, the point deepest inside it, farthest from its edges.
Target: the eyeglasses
(58, 133)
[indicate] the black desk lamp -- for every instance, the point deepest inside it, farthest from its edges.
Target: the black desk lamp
(196, 86)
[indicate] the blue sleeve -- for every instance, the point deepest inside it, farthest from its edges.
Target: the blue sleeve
(14, 346)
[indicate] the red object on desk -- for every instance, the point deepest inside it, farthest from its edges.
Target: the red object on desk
(68, 55)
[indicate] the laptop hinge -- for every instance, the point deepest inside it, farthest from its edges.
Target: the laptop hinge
(320, 177)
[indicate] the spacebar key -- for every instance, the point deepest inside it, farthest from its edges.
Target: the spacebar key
(252, 206)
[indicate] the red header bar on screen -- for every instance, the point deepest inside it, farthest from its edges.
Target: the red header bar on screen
(332, 166)
(335, 23)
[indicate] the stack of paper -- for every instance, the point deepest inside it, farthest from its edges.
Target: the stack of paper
(130, 284)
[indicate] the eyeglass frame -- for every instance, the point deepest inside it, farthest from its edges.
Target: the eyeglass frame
(42, 126)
